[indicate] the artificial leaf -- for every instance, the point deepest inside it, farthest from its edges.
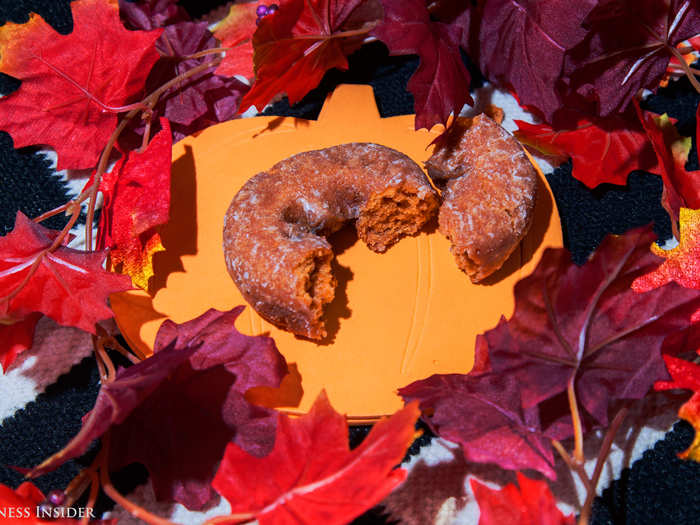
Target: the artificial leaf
(311, 476)
(531, 503)
(682, 263)
(602, 150)
(628, 48)
(585, 326)
(440, 85)
(137, 200)
(296, 45)
(73, 85)
(523, 44)
(685, 375)
(482, 413)
(15, 338)
(681, 187)
(206, 94)
(19, 505)
(68, 285)
(176, 411)
(235, 32)
(150, 14)
(196, 102)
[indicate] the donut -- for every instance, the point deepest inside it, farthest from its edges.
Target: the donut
(488, 193)
(276, 227)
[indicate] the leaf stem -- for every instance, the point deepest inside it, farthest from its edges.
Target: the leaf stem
(51, 213)
(576, 420)
(600, 461)
(153, 97)
(212, 51)
(573, 466)
(101, 354)
(229, 518)
(92, 497)
(135, 510)
(108, 341)
(77, 486)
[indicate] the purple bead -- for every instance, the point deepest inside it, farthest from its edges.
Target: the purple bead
(261, 11)
(257, 21)
(272, 8)
(57, 497)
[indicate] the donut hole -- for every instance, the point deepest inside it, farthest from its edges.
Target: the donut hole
(392, 214)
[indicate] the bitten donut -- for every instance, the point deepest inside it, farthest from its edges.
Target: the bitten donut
(275, 228)
(489, 193)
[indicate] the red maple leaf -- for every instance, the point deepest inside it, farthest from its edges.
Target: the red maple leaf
(482, 413)
(682, 263)
(628, 48)
(440, 85)
(681, 187)
(584, 328)
(68, 285)
(236, 32)
(15, 338)
(530, 504)
(311, 475)
(188, 399)
(137, 200)
(685, 375)
(522, 43)
(73, 85)
(303, 39)
(602, 150)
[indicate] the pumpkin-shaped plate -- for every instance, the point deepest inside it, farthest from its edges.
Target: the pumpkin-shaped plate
(397, 317)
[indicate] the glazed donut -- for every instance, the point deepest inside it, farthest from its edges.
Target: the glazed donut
(275, 228)
(489, 190)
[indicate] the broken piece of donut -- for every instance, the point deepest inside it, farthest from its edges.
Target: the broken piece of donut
(489, 193)
(275, 228)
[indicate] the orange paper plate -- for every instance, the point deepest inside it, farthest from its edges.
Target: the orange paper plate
(398, 317)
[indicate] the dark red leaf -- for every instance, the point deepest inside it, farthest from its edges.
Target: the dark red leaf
(73, 85)
(303, 39)
(482, 413)
(176, 411)
(151, 14)
(532, 504)
(587, 326)
(628, 48)
(197, 102)
(440, 85)
(68, 285)
(311, 476)
(523, 44)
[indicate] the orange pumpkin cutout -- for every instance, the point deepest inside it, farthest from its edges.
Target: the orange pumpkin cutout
(397, 317)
